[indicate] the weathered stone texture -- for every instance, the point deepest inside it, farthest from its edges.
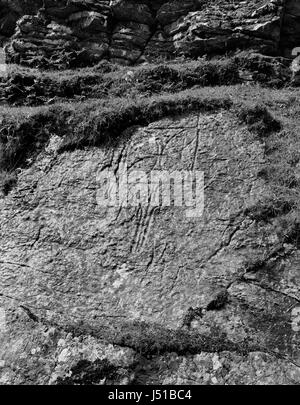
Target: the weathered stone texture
(134, 31)
(93, 272)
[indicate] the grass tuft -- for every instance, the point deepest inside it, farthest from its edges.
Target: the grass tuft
(106, 81)
(259, 120)
(94, 127)
(7, 182)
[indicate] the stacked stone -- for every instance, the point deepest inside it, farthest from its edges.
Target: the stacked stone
(63, 34)
(291, 29)
(12, 10)
(224, 26)
(161, 44)
(37, 44)
(134, 22)
(92, 29)
(194, 28)
(8, 19)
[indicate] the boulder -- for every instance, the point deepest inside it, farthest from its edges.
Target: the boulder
(129, 40)
(290, 28)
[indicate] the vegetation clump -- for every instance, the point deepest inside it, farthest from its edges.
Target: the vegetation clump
(86, 372)
(259, 120)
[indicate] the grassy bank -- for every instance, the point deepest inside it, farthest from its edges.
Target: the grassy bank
(32, 87)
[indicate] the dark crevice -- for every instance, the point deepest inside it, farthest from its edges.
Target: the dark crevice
(30, 314)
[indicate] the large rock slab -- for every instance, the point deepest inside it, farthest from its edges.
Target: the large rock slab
(104, 275)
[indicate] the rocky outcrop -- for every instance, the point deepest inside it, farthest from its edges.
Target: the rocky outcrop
(64, 34)
(12, 10)
(149, 238)
(133, 28)
(216, 30)
(295, 67)
(196, 292)
(79, 33)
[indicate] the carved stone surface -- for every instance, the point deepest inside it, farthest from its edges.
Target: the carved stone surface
(74, 271)
(80, 33)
